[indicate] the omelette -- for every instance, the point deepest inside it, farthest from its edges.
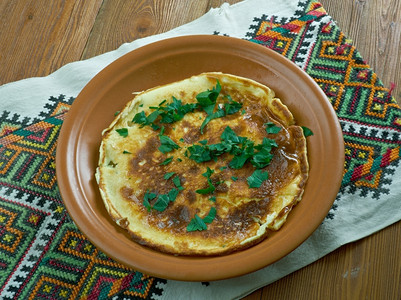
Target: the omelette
(204, 166)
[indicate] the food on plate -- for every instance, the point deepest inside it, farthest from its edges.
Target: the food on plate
(204, 166)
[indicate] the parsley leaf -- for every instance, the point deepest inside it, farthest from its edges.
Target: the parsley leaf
(211, 187)
(199, 153)
(140, 118)
(123, 132)
(167, 161)
(230, 137)
(167, 144)
(272, 128)
(307, 131)
(148, 196)
(257, 178)
(208, 173)
(262, 158)
(161, 202)
(207, 99)
(168, 175)
(232, 106)
(208, 190)
(211, 215)
(177, 183)
(196, 224)
(172, 194)
(169, 113)
(218, 114)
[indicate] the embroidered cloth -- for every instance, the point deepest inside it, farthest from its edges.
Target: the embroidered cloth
(44, 256)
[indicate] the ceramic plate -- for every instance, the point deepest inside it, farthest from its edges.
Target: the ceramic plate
(168, 61)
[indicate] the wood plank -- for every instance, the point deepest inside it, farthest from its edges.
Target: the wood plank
(122, 21)
(42, 35)
(354, 271)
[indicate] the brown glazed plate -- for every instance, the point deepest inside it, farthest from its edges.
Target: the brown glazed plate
(167, 61)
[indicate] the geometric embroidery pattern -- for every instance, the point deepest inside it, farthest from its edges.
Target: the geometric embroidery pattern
(43, 254)
(369, 115)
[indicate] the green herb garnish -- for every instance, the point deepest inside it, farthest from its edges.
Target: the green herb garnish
(307, 131)
(165, 112)
(123, 132)
(272, 128)
(207, 99)
(218, 114)
(177, 183)
(211, 215)
(167, 161)
(197, 223)
(211, 188)
(232, 106)
(257, 178)
(167, 144)
(148, 196)
(168, 175)
(162, 200)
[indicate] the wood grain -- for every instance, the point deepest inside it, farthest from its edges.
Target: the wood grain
(366, 269)
(39, 36)
(121, 21)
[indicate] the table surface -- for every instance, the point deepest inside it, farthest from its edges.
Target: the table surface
(39, 36)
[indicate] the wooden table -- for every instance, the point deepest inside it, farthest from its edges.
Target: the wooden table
(39, 36)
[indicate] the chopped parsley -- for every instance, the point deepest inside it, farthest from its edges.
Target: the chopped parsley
(196, 224)
(177, 183)
(148, 196)
(272, 128)
(199, 224)
(165, 112)
(211, 215)
(123, 132)
(242, 148)
(257, 178)
(307, 131)
(211, 188)
(162, 200)
(167, 144)
(207, 99)
(167, 161)
(231, 107)
(168, 175)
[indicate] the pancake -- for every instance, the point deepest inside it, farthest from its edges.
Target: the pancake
(205, 166)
